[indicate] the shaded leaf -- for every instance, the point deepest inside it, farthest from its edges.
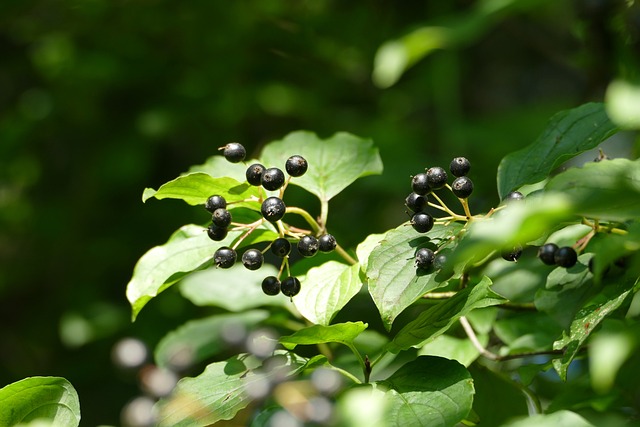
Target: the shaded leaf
(343, 333)
(326, 289)
(394, 282)
(49, 398)
(567, 134)
(334, 163)
(429, 391)
(556, 419)
(437, 319)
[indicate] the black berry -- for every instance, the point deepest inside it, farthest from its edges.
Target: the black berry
(281, 247)
(436, 177)
(271, 285)
(420, 184)
(216, 233)
(254, 174)
(512, 254)
(234, 152)
(215, 202)
(221, 217)
(547, 253)
(272, 179)
(296, 165)
(416, 202)
(440, 261)
(422, 222)
(273, 209)
(460, 166)
(290, 286)
(225, 257)
(308, 246)
(514, 195)
(327, 243)
(252, 259)
(566, 257)
(425, 258)
(462, 187)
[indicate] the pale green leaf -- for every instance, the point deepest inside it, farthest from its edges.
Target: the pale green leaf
(459, 349)
(556, 419)
(622, 101)
(343, 333)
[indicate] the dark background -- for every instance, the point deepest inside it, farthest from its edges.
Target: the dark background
(100, 99)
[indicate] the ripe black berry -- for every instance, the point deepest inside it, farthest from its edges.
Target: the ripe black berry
(308, 246)
(215, 202)
(254, 174)
(234, 152)
(566, 257)
(514, 195)
(252, 259)
(436, 177)
(225, 257)
(216, 233)
(327, 243)
(273, 209)
(462, 187)
(281, 247)
(271, 285)
(296, 165)
(422, 222)
(290, 286)
(221, 217)
(547, 253)
(272, 179)
(425, 258)
(512, 254)
(416, 202)
(460, 166)
(440, 261)
(420, 184)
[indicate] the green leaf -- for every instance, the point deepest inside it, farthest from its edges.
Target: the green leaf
(343, 333)
(622, 100)
(556, 419)
(605, 190)
(217, 166)
(497, 397)
(394, 282)
(364, 249)
(223, 389)
(326, 289)
(527, 332)
(195, 188)
(429, 391)
(586, 321)
(50, 398)
(235, 289)
(437, 319)
(334, 163)
(460, 349)
(568, 134)
(197, 340)
(187, 250)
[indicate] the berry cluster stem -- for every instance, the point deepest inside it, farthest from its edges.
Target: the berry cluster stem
(307, 217)
(251, 228)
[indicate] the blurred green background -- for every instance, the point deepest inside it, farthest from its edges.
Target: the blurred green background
(100, 99)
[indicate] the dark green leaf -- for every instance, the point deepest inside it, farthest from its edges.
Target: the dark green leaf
(568, 134)
(394, 281)
(429, 391)
(334, 163)
(491, 388)
(527, 332)
(48, 398)
(343, 333)
(437, 319)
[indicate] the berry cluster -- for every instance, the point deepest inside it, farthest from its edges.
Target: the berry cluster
(272, 210)
(551, 254)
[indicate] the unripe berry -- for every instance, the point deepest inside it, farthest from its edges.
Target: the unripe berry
(290, 286)
(425, 258)
(422, 222)
(215, 202)
(327, 243)
(281, 247)
(225, 257)
(252, 259)
(273, 209)
(271, 285)
(308, 246)
(296, 165)
(272, 179)
(416, 202)
(221, 217)
(436, 177)
(566, 257)
(547, 253)
(462, 187)
(216, 233)
(460, 166)
(254, 174)
(234, 152)
(420, 184)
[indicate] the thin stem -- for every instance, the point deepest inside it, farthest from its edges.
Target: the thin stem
(474, 340)
(379, 358)
(439, 295)
(346, 374)
(324, 214)
(364, 365)
(345, 255)
(247, 233)
(444, 206)
(465, 206)
(281, 229)
(307, 217)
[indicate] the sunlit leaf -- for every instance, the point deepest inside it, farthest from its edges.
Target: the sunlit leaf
(326, 289)
(334, 163)
(343, 333)
(568, 134)
(49, 398)
(429, 391)
(460, 349)
(394, 281)
(437, 319)
(555, 419)
(622, 101)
